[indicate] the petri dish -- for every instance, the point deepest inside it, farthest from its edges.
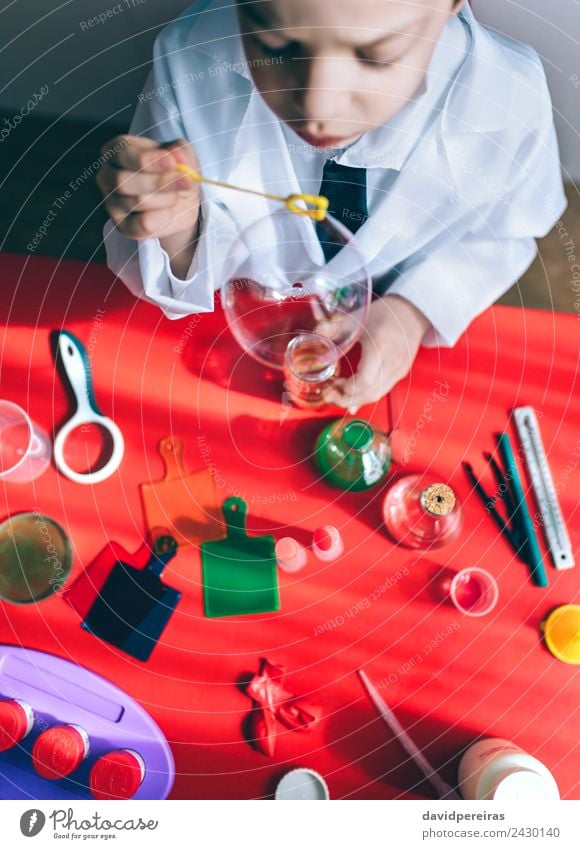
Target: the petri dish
(35, 558)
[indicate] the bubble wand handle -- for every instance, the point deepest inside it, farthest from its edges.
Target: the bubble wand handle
(315, 207)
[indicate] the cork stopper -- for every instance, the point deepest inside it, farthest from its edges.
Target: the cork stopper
(438, 499)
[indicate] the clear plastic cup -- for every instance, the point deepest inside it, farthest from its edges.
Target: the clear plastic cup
(474, 591)
(25, 448)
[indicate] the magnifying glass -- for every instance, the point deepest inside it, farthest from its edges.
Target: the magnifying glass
(76, 366)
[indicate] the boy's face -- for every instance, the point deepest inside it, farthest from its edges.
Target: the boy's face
(333, 69)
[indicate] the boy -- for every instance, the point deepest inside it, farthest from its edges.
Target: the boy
(443, 130)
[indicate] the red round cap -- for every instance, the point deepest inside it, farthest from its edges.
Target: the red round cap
(327, 543)
(14, 723)
(59, 751)
(323, 538)
(117, 775)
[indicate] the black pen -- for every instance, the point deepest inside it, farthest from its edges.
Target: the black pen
(490, 506)
(506, 496)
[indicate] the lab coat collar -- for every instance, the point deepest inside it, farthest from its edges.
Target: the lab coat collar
(215, 31)
(481, 96)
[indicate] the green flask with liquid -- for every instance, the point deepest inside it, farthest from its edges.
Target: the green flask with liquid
(352, 455)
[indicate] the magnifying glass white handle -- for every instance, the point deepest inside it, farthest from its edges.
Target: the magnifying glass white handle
(112, 463)
(76, 365)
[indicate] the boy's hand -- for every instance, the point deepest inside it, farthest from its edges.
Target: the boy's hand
(144, 194)
(390, 341)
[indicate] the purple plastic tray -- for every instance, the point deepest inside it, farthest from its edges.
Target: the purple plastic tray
(61, 692)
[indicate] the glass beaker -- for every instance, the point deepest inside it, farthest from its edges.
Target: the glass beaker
(35, 558)
(352, 455)
(311, 364)
(420, 512)
(25, 448)
(280, 285)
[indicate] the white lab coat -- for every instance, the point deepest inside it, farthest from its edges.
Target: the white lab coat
(459, 182)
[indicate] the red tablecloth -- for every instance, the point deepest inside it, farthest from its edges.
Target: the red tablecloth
(449, 678)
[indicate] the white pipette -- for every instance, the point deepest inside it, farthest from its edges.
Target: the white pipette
(443, 790)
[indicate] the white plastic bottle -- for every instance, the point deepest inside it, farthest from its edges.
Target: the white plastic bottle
(495, 769)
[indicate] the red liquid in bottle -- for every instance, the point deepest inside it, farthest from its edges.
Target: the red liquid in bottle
(60, 750)
(16, 721)
(117, 775)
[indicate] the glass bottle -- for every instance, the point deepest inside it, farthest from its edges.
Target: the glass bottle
(420, 512)
(352, 455)
(311, 364)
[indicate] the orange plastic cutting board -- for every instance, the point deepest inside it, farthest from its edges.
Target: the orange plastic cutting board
(186, 503)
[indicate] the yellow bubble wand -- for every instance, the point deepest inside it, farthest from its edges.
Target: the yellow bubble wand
(315, 207)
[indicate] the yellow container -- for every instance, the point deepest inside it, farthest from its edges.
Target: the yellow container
(562, 633)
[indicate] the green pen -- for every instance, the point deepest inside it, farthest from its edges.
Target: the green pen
(522, 514)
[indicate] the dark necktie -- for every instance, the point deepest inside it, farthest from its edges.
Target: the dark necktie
(346, 190)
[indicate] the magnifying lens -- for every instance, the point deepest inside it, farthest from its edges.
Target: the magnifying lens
(76, 366)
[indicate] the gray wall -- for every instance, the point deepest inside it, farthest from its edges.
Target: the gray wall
(92, 72)
(553, 28)
(96, 72)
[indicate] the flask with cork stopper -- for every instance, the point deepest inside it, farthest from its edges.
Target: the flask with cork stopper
(422, 512)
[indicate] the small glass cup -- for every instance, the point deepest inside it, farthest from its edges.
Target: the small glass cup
(474, 591)
(35, 558)
(25, 448)
(311, 364)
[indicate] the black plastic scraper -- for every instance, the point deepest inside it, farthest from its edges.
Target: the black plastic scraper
(134, 605)
(239, 572)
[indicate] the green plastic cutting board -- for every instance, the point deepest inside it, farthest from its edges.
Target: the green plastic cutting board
(239, 572)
